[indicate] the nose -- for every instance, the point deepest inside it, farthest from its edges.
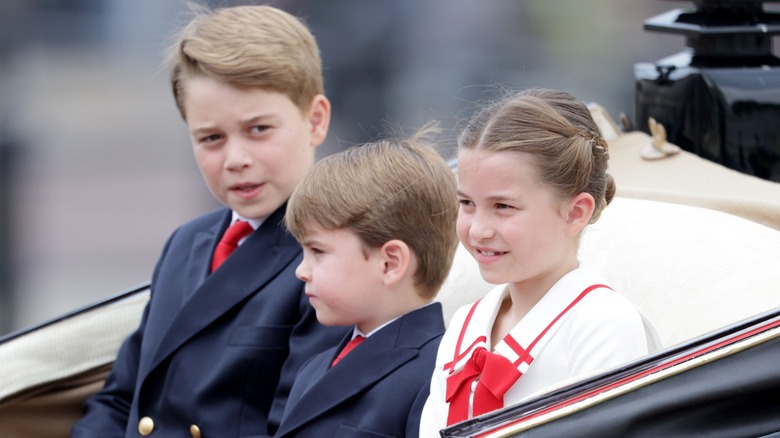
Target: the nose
(237, 155)
(480, 227)
(302, 271)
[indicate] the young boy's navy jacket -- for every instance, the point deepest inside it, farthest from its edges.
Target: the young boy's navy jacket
(214, 353)
(378, 389)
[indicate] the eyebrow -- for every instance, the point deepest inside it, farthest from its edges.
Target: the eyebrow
(310, 242)
(249, 121)
(258, 118)
(202, 130)
(499, 198)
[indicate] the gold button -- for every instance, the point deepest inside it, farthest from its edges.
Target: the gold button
(146, 426)
(195, 431)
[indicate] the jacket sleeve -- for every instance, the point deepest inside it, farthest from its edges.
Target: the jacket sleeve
(106, 413)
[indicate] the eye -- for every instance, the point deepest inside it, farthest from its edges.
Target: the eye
(465, 203)
(314, 250)
(500, 206)
(259, 129)
(209, 139)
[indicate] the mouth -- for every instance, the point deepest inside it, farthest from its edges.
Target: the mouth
(484, 255)
(246, 190)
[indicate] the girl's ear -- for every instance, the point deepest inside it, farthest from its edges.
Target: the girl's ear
(396, 256)
(579, 213)
(319, 119)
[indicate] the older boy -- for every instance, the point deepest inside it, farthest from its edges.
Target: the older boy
(377, 225)
(224, 334)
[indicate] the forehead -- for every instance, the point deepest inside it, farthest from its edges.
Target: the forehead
(491, 169)
(339, 237)
(208, 98)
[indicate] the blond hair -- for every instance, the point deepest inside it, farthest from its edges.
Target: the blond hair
(248, 46)
(557, 131)
(385, 190)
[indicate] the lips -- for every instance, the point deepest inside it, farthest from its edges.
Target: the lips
(246, 190)
(484, 255)
(244, 187)
(313, 299)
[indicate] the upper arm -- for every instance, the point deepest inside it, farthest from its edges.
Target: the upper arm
(605, 331)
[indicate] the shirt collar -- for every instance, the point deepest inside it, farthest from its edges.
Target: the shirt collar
(255, 223)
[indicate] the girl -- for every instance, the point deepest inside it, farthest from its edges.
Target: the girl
(532, 175)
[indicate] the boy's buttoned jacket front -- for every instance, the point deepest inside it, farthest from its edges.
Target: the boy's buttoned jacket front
(211, 348)
(378, 389)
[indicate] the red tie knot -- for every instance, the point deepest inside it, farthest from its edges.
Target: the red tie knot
(229, 242)
(236, 232)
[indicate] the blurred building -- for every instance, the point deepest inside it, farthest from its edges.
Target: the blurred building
(102, 170)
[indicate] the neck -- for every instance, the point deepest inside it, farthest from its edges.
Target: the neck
(526, 294)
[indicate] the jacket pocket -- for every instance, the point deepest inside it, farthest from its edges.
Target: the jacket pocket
(260, 336)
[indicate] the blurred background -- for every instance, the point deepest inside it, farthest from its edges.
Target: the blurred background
(95, 164)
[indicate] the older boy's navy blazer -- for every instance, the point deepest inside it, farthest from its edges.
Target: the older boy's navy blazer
(378, 389)
(219, 352)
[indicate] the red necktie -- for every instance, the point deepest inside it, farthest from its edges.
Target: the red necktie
(347, 348)
(229, 242)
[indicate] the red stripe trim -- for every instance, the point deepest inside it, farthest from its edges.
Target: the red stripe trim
(512, 343)
(637, 376)
(458, 355)
(582, 295)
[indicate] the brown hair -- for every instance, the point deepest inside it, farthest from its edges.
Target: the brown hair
(557, 131)
(384, 190)
(248, 46)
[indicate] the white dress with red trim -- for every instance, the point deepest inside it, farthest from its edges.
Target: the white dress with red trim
(580, 327)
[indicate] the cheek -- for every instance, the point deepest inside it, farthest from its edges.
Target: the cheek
(292, 164)
(462, 227)
(208, 162)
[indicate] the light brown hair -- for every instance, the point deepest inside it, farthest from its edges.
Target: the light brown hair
(248, 46)
(384, 190)
(557, 131)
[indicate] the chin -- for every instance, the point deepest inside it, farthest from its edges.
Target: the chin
(492, 278)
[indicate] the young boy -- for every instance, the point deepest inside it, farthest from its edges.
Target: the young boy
(377, 225)
(224, 334)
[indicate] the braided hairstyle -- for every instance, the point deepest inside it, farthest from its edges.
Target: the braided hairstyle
(557, 131)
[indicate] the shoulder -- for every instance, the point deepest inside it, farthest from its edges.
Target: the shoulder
(419, 329)
(603, 303)
(605, 306)
(606, 321)
(604, 330)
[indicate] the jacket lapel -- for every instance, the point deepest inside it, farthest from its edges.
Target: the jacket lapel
(268, 250)
(375, 358)
(199, 261)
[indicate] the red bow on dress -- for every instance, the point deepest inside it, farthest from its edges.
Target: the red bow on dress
(494, 375)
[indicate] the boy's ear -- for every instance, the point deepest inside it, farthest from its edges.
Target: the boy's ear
(396, 256)
(579, 212)
(319, 119)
